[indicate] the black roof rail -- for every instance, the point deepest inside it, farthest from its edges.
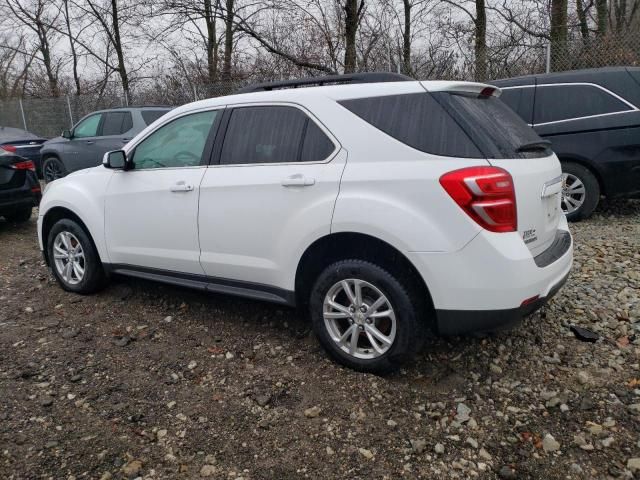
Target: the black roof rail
(328, 80)
(140, 106)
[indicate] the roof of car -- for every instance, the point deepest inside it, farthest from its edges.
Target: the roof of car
(569, 75)
(10, 134)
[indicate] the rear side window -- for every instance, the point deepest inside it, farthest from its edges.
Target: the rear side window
(150, 116)
(273, 134)
(497, 130)
(417, 120)
(116, 123)
(564, 102)
(520, 100)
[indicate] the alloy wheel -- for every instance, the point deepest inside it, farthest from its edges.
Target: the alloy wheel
(68, 258)
(573, 193)
(52, 171)
(359, 318)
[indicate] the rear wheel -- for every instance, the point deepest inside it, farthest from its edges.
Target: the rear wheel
(364, 317)
(73, 258)
(20, 215)
(580, 191)
(52, 169)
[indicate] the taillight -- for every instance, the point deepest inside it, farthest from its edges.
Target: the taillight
(26, 165)
(9, 148)
(486, 194)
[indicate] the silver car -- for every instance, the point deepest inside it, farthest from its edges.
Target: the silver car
(93, 136)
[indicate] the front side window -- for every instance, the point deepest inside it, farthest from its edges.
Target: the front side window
(88, 127)
(564, 102)
(180, 143)
(116, 123)
(273, 134)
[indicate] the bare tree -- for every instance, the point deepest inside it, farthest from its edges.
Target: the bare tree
(558, 32)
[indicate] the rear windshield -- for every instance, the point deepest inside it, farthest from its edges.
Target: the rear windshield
(150, 116)
(451, 124)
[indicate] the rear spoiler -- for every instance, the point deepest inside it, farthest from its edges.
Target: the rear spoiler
(481, 89)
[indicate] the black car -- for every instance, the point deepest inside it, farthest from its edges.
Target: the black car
(24, 144)
(592, 119)
(19, 186)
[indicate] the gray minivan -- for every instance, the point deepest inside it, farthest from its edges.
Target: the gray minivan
(93, 136)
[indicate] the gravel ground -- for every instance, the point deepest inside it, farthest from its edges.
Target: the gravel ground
(144, 380)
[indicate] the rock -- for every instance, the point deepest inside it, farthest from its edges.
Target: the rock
(583, 377)
(576, 469)
(419, 445)
(330, 451)
(208, 470)
(229, 355)
(121, 341)
(633, 464)
(70, 333)
(607, 442)
(439, 448)
(484, 454)
(368, 454)
(312, 412)
(392, 423)
(160, 434)
(168, 319)
(20, 438)
(587, 404)
(263, 400)
(192, 364)
(550, 444)
(594, 428)
(473, 442)
(495, 369)
(463, 412)
(106, 476)
(507, 473)
(132, 468)
(46, 401)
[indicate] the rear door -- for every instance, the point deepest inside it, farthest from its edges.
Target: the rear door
(115, 131)
(272, 191)
(509, 143)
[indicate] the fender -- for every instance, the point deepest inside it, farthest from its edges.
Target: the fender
(84, 198)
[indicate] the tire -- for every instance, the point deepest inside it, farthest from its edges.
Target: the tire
(93, 277)
(404, 340)
(52, 169)
(20, 215)
(575, 205)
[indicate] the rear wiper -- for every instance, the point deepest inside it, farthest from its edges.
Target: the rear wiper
(535, 145)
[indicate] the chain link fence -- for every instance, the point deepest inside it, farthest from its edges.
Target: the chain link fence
(49, 116)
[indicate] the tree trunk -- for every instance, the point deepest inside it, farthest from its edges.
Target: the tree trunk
(601, 10)
(406, 39)
(228, 40)
(351, 28)
(558, 34)
(582, 18)
(117, 45)
(212, 50)
(481, 41)
(72, 44)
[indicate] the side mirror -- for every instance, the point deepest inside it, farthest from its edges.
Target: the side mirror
(116, 160)
(66, 134)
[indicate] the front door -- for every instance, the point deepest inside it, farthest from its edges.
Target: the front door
(151, 211)
(272, 192)
(80, 150)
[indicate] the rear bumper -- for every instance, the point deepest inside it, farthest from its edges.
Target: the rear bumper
(10, 200)
(494, 280)
(458, 322)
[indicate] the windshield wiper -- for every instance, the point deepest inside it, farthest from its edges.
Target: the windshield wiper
(535, 145)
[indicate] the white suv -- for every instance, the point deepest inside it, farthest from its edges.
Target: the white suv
(383, 208)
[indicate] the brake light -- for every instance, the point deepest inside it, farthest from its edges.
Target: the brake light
(9, 148)
(486, 194)
(26, 165)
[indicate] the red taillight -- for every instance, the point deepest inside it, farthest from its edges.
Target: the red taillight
(26, 165)
(486, 194)
(8, 148)
(487, 91)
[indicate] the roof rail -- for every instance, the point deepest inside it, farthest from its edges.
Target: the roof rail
(327, 80)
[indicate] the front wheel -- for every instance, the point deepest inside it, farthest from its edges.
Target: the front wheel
(364, 317)
(580, 191)
(73, 258)
(53, 169)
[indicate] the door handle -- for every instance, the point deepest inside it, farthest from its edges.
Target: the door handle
(298, 180)
(126, 140)
(90, 142)
(181, 187)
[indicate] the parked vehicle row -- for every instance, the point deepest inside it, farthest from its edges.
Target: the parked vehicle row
(592, 119)
(19, 186)
(446, 216)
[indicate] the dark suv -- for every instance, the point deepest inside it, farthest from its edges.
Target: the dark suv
(592, 119)
(93, 136)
